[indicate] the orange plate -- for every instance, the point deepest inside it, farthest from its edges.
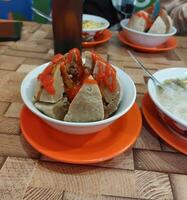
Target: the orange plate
(151, 115)
(104, 37)
(171, 43)
(86, 149)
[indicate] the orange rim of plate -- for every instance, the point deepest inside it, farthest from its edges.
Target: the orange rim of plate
(104, 37)
(151, 115)
(171, 43)
(82, 149)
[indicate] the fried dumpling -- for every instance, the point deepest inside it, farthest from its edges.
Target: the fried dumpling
(43, 95)
(138, 22)
(111, 99)
(158, 26)
(89, 64)
(72, 70)
(87, 105)
(167, 20)
(55, 110)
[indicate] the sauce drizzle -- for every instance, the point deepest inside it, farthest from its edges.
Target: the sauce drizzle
(106, 75)
(72, 87)
(46, 77)
(146, 17)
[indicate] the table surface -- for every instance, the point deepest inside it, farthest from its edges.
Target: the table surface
(150, 170)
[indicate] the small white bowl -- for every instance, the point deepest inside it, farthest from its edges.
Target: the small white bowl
(128, 91)
(145, 39)
(92, 32)
(169, 118)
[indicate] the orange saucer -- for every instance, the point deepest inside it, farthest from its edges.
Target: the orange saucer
(171, 43)
(86, 149)
(104, 37)
(151, 115)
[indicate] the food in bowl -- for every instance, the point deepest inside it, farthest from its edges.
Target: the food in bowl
(143, 31)
(170, 102)
(90, 24)
(127, 99)
(93, 27)
(174, 97)
(145, 39)
(143, 21)
(71, 91)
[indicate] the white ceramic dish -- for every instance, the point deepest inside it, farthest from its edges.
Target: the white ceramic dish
(145, 39)
(91, 32)
(162, 75)
(128, 90)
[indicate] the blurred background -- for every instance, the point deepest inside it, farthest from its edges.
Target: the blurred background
(11, 9)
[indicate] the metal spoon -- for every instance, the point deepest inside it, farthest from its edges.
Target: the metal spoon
(155, 80)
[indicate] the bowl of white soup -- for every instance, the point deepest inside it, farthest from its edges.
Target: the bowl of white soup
(171, 99)
(92, 27)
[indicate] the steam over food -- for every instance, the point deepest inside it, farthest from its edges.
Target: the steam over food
(143, 21)
(72, 91)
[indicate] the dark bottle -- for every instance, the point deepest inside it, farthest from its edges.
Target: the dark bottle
(67, 24)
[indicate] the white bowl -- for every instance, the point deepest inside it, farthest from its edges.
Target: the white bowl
(172, 120)
(145, 39)
(128, 90)
(92, 32)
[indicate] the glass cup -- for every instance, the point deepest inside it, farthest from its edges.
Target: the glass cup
(67, 24)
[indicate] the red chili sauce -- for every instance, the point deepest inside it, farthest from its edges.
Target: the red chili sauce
(106, 74)
(146, 17)
(90, 81)
(72, 87)
(46, 77)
